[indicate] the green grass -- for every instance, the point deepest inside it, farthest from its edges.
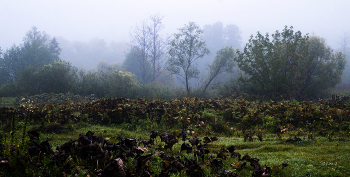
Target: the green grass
(7, 101)
(317, 157)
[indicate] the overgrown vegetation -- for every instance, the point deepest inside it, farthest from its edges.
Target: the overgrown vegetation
(311, 137)
(61, 77)
(283, 123)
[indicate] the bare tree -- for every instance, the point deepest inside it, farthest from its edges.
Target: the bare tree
(345, 42)
(158, 46)
(140, 44)
(151, 47)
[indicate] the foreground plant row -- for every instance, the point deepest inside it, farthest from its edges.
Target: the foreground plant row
(213, 115)
(96, 156)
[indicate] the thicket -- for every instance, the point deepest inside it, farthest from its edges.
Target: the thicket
(62, 77)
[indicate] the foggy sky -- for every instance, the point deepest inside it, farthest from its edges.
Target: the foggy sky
(111, 20)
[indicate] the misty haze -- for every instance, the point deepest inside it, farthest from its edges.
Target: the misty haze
(92, 36)
(212, 74)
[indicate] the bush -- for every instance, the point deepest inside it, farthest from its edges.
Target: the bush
(216, 122)
(62, 77)
(89, 83)
(157, 91)
(121, 84)
(230, 87)
(345, 126)
(58, 77)
(10, 89)
(270, 123)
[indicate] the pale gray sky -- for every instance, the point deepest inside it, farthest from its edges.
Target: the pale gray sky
(111, 20)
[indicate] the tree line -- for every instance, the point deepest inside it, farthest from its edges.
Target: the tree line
(285, 62)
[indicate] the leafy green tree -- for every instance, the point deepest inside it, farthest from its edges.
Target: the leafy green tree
(185, 49)
(223, 62)
(54, 49)
(326, 69)
(9, 64)
(37, 50)
(289, 63)
(216, 37)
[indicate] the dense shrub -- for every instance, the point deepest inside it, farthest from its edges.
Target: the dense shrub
(157, 90)
(10, 89)
(62, 77)
(58, 77)
(121, 84)
(89, 82)
(216, 122)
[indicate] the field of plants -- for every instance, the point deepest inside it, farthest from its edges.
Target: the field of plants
(72, 135)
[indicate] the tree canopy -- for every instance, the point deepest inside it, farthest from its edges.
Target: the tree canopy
(38, 49)
(289, 63)
(222, 62)
(185, 49)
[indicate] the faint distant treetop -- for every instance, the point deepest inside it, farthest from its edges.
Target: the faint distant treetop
(217, 36)
(38, 49)
(344, 42)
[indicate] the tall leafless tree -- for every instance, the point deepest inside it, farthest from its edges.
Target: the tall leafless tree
(139, 38)
(151, 46)
(345, 42)
(158, 47)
